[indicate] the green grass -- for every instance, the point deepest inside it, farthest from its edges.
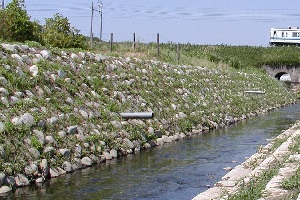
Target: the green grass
(253, 189)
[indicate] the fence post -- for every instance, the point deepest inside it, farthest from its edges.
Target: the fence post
(178, 54)
(111, 41)
(157, 38)
(134, 44)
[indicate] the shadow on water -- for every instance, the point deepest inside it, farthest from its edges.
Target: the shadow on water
(179, 170)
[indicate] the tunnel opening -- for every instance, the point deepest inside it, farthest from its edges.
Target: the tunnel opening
(283, 76)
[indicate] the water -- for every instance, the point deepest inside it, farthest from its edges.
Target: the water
(179, 170)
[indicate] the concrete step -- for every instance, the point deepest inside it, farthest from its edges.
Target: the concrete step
(256, 165)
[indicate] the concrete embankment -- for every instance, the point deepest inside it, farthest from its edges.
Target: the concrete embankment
(60, 111)
(278, 155)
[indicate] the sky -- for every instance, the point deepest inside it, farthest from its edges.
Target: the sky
(208, 22)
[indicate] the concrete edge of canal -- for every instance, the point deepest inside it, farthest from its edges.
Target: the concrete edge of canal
(267, 157)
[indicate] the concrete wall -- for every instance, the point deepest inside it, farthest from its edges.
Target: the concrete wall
(277, 71)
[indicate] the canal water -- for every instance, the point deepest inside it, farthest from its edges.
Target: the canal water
(179, 170)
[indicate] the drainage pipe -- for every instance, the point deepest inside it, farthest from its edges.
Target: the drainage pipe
(255, 92)
(137, 115)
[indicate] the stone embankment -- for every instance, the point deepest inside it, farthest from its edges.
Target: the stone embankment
(279, 156)
(59, 111)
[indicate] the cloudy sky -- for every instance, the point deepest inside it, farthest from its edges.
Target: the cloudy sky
(231, 22)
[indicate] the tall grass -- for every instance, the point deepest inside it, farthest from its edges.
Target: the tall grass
(239, 57)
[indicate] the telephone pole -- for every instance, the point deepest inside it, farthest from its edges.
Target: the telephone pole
(100, 5)
(3, 4)
(91, 33)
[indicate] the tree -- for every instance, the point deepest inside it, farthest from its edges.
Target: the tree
(59, 33)
(15, 23)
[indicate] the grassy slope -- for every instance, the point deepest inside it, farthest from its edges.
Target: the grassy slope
(206, 95)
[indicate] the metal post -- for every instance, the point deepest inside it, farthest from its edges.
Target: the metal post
(157, 38)
(111, 41)
(134, 42)
(178, 54)
(91, 34)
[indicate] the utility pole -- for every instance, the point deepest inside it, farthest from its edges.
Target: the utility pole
(100, 4)
(91, 34)
(3, 4)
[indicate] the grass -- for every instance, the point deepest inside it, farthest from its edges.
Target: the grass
(293, 183)
(204, 90)
(239, 57)
(253, 189)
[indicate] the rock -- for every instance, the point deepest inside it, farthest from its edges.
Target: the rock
(53, 173)
(40, 135)
(26, 119)
(44, 168)
(46, 54)
(9, 47)
(40, 180)
(2, 178)
(17, 58)
(65, 152)
(159, 141)
(31, 170)
(86, 161)
(137, 122)
(128, 143)
(49, 139)
(61, 171)
(5, 101)
(37, 59)
(69, 100)
(107, 156)
(35, 153)
(99, 57)
(77, 151)
(150, 131)
(1, 127)
(74, 56)
(24, 47)
(3, 92)
(116, 124)
(49, 150)
(20, 72)
(181, 115)
(21, 180)
(71, 130)
(167, 139)
(61, 73)
(84, 114)
(29, 93)
(3, 81)
(2, 152)
(14, 100)
(77, 164)
(10, 180)
(113, 153)
(62, 134)
(5, 189)
(67, 166)
(34, 70)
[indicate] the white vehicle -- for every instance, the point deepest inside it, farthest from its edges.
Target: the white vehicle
(285, 36)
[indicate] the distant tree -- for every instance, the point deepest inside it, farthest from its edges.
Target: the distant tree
(15, 23)
(59, 33)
